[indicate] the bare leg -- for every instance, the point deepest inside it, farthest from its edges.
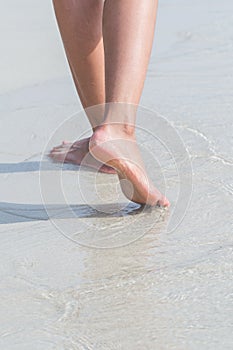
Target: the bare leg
(80, 24)
(128, 30)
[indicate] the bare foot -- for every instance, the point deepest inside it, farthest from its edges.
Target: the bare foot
(111, 145)
(78, 153)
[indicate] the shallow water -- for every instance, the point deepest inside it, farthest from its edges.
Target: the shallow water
(167, 284)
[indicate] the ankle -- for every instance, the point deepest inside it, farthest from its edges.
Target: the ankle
(121, 117)
(123, 129)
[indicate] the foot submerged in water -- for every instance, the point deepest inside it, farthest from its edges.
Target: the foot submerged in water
(113, 146)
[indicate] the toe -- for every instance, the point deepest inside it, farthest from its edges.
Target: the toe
(164, 202)
(62, 146)
(52, 153)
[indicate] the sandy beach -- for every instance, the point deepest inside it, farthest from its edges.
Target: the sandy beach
(80, 266)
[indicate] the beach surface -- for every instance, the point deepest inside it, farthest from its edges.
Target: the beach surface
(80, 266)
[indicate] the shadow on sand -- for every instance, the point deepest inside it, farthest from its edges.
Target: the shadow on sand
(14, 213)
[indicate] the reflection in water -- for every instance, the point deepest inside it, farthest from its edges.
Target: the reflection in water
(115, 305)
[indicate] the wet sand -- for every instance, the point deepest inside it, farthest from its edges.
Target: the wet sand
(166, 284)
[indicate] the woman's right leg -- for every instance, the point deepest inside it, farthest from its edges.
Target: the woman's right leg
(80, 25)
(128, 31)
